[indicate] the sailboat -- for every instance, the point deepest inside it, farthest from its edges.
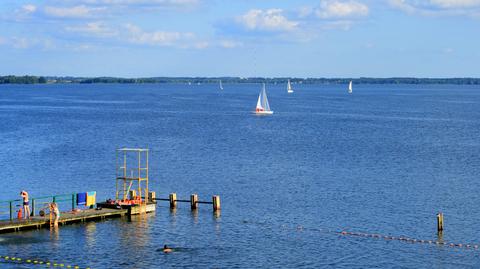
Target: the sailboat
(263, 108)
(221, 86)
(350, 87)
(289, 87)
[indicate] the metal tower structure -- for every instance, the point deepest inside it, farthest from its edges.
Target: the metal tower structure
(132, 174)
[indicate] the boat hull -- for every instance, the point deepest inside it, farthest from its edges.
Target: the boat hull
(263, 112)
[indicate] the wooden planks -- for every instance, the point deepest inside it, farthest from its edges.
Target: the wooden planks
(65, 218)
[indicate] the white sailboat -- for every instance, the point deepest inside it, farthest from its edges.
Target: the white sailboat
(221, 86)
(350, 87)
(289, 87)
(263, 108)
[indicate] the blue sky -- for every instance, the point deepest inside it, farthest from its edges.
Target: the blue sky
(321, 38)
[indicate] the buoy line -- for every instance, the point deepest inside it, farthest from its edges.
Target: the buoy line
(410, 240)
(345, 233)
(14, 259)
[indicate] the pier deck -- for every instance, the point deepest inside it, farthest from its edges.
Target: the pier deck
(65, 218)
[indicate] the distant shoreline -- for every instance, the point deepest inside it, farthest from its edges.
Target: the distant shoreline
(196, 80)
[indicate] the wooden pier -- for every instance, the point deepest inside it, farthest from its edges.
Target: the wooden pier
(70, 217)
(132, 197)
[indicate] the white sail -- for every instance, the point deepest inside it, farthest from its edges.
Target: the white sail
(289, 87)
(350, 87)
(221, 86)
(265, 104)
(263, 107)
(259, 102)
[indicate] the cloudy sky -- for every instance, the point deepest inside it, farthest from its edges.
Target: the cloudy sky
(297, 38)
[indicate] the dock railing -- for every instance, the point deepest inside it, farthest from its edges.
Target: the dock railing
(9, 209)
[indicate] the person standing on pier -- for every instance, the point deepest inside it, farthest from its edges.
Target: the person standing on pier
(56, 212)
(26, 206)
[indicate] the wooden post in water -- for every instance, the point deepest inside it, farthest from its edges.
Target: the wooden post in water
(32, 213)
(151, 196)
(440, 222)
(216, 202)
(132, 194)
(193, 201)
(11, 210)
(173, 200)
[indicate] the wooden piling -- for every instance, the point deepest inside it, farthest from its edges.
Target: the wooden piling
(216, 202)
(440, 222)
(132, 194)
(173, 200)
(11, 210)
(151, 196)
(32, 213)
(193, 201)
(74, 196)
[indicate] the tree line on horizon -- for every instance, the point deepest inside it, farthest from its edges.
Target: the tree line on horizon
(22, 80)
(363, 80)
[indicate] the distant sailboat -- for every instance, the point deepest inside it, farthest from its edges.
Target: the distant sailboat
(350, 87)
(221, 86)
(263, 108)
(289, 87)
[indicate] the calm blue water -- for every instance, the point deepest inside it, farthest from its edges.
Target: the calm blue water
(383, 160)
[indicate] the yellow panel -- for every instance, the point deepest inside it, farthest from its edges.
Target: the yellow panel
(91, 198)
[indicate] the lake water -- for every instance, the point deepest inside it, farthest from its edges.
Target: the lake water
(383, 160)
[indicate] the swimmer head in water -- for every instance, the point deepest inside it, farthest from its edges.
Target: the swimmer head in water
(166, 249)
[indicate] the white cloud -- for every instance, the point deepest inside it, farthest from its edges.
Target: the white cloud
(28, 9)
(143, 5)
(230, 44)
(369, 45)
(455, 3)
(201, 45)
(24, 12)
(438, 7)
(143, 2)
(159, 38)
(81, 11)
(341, 9)
(21, 42)
(305, 11)
(402, 5)
(81, 47)
(339, 24)
(267, 20)
(93, 28)
(448, 50)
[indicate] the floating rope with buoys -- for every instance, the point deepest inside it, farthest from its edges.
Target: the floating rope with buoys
(396, 238)
(346, 233)
(13, 259)
(409, 240)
